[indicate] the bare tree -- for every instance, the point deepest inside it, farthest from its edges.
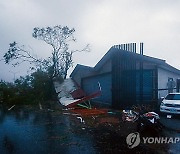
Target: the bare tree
(59, 38)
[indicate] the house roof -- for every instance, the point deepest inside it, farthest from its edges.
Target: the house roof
(113, 50)
(80, 67)
(160, 62)
(166, 66)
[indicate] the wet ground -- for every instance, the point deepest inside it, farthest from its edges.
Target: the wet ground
(172, 129)
(29, 129)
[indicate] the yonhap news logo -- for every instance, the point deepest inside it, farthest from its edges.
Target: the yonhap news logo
(133, 140)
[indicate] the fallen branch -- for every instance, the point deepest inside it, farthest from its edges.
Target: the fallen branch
(11, 107)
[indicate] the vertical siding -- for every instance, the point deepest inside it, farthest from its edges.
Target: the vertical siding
(123, 80)
(130, 85)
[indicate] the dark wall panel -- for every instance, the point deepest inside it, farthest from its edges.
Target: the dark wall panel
(123, 80)
(90, 85)
(147, 85)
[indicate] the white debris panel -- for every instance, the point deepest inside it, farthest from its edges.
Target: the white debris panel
(64, 89)
(66, 101)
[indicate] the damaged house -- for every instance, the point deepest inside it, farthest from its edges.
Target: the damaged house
(127, 77)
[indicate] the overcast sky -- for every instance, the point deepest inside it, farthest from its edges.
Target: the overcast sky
(101, 23)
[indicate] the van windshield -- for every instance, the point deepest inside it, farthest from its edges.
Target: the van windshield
(173, 97)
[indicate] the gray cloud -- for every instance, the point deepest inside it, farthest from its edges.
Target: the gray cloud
(101, 23)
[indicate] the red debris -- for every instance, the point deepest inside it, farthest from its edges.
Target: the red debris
(98, 93)
(78, 93)
(89, 112)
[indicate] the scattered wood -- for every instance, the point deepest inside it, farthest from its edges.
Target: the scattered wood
(169, 116)
(71, 114)
(11, 107)
(40, 106)
(82, 121)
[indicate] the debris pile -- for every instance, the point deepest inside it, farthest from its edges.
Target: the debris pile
(64, 91)
(70, 95)
(111, 120)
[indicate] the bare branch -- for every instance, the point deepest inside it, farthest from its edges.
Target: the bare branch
(59, 38)
(85, 49)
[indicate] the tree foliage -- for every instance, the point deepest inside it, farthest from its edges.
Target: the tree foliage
(36, 87)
